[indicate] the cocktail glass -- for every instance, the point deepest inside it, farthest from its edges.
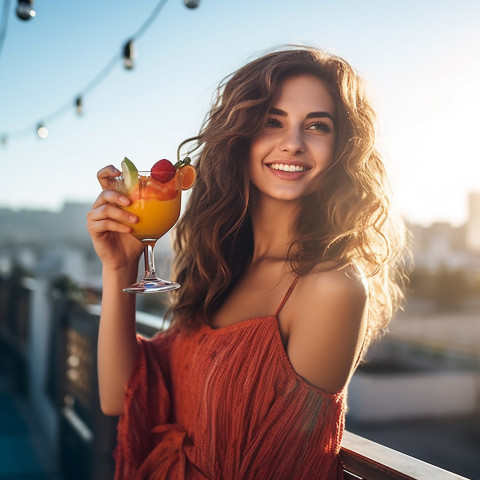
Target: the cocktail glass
(157, 206)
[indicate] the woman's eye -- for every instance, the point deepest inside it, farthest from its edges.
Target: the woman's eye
(273, 123)
(320, 127)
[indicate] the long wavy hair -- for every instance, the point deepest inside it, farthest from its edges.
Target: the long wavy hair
(348, 220)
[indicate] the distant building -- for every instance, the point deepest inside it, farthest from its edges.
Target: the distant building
(440, 245)
(444, 247)
(473, 222)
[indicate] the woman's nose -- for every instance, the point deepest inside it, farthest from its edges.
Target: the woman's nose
(292, 141)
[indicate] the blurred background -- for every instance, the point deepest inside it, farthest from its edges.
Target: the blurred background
(84, 84)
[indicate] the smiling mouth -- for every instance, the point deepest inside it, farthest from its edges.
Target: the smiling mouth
(283, 167)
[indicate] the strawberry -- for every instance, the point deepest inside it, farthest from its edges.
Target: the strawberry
(163, 171)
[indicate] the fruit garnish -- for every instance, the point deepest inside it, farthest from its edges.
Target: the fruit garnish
(188, 176)
(163, 171)
(188, 172)
(130, 173)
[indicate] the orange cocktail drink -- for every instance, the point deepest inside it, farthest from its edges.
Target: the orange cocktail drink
(156, 217)
(157, 206)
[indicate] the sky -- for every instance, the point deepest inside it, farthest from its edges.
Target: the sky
(419, 58)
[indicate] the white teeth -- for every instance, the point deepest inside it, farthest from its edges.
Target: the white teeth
(287, 168)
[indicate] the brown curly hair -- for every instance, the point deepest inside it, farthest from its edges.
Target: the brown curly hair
(348, 220)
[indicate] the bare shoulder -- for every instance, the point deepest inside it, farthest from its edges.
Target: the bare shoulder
(338, 294)
(345, 282)
(327, 324)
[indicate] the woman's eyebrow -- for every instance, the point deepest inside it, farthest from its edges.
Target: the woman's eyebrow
(320, 115)
(283, 113)
(277, 111)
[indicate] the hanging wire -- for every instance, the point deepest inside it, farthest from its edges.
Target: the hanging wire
(4, 23)
(54, 115)
(100, 76)
(146, 24)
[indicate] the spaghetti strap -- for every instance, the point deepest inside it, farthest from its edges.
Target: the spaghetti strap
(285, 298)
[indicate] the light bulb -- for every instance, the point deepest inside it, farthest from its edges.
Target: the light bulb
(42, 131)
(79, 105)
(25, 10)
(128, 55)
(191, 3)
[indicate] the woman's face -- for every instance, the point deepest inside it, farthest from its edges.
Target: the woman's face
(297, 142)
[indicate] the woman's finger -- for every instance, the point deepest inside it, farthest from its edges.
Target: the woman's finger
(105, 174)
(110, 196)
(108, 211)
(100, 227)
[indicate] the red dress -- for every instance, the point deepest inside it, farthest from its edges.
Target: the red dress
(226, 404)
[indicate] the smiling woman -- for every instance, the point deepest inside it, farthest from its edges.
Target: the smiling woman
(289, 264)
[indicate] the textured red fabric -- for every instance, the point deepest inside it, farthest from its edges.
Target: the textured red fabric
(226, 404)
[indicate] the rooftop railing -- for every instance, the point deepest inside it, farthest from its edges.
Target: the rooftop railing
(367, 460)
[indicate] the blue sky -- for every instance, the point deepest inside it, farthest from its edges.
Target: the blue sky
(421, 61)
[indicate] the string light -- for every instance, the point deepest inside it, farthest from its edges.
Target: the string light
(25, 10)
(79, 105)
(128, 55)
(42, 131)
(192, 3)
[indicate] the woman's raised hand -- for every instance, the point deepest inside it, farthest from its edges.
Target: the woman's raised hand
(115, 248)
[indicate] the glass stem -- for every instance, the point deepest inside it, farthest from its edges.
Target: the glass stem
(149, 259)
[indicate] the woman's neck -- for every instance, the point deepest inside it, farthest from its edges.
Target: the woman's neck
(273, 225)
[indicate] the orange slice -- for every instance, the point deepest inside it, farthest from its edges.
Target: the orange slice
(189, 174)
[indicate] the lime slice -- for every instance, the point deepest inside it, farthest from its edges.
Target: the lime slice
(130, 174)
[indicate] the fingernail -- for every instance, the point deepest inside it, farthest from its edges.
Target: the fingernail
(132, 218)
(124, 200)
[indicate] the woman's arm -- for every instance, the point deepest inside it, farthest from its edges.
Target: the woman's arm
(117, 344)
(119, 253)
(328, 321)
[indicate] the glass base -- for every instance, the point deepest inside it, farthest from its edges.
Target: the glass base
(152, 286)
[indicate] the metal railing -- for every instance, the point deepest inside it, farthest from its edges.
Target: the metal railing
(367, 460)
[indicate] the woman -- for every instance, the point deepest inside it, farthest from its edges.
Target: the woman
(290, 264)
